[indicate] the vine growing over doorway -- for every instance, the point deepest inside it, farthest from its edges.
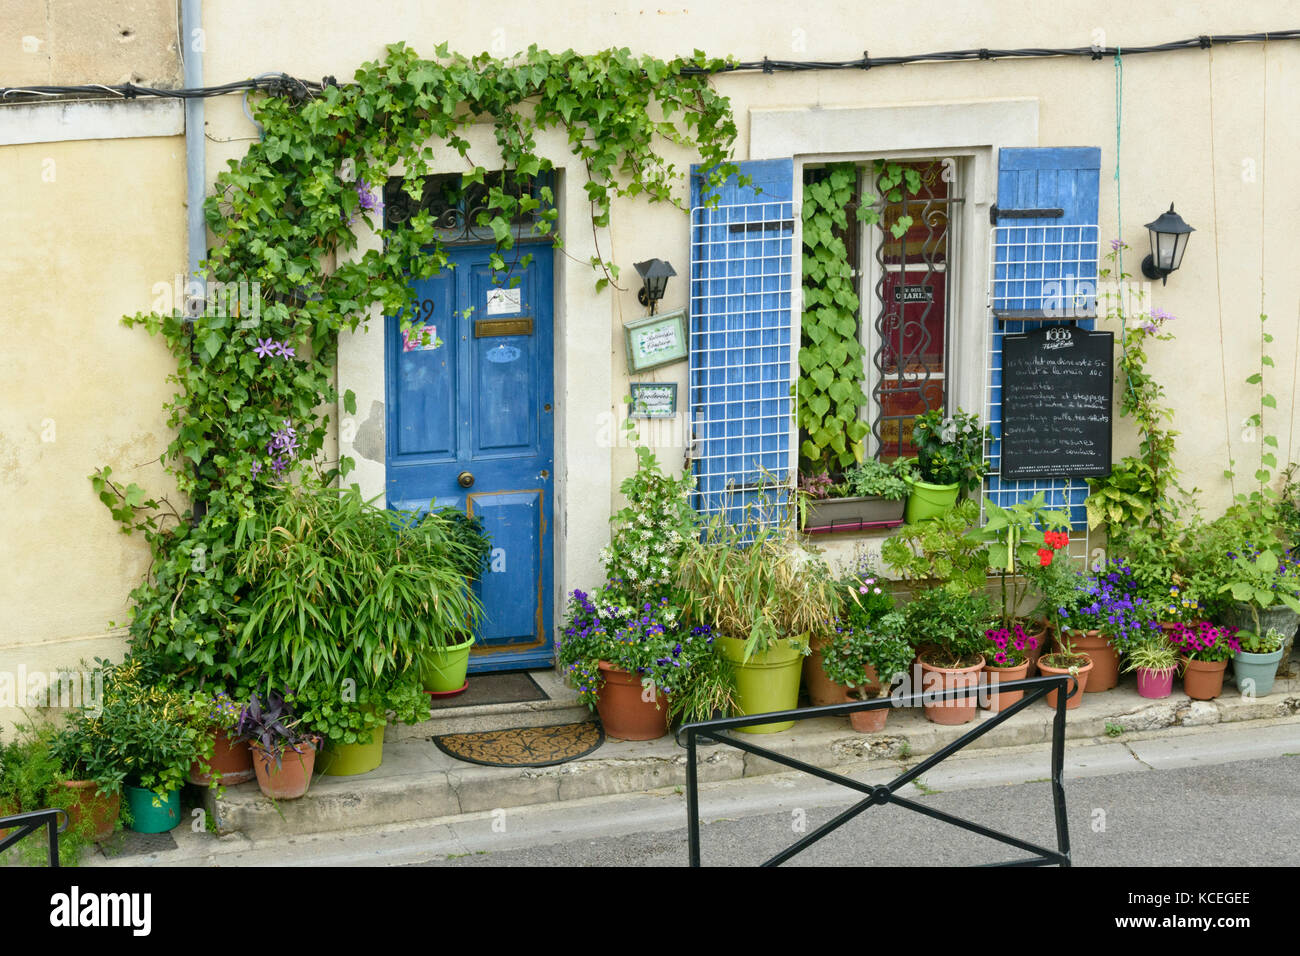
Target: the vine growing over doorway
(253, 377)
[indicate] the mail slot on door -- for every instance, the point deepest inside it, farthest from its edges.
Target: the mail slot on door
(485, 328)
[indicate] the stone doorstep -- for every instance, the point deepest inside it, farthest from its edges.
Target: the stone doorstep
(419, 782)
(562, 707)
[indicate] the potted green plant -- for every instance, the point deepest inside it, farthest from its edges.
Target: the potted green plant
(948, 623)
(765, 593)
(949, 462)
(31, 775)
(1066, 660)
(869, 493)
(464, 545)
(866, 661)
(1255, 665)
(1265, 585)
(867, 597)
(640, 666)
(351, 720)
(1022, 542)
(231, 762)
(1205, 650)
(346, 603)
(147, 733)
(1155, 660)
(1107, 617)
(284, 751)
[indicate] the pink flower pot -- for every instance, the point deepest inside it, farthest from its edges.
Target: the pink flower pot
(1155, 684)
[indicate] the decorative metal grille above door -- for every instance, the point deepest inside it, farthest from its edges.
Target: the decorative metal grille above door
(457, 206)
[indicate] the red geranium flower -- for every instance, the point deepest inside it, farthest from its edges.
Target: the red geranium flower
(1044, 557)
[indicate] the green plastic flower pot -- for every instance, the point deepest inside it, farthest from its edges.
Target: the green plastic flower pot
(766, 682)
(152, 812)
(929, 501)
(1255, 672)
(347, 760)
(444, 670)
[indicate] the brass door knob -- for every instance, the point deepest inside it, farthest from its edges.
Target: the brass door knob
(465, 479)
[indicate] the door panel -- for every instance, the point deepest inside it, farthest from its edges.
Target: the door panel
(480, 405)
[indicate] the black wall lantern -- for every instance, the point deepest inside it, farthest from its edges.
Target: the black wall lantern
(654, 276)
(1168, 243)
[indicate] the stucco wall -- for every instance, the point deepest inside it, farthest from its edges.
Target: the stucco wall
(1208, 130)
(91, 228)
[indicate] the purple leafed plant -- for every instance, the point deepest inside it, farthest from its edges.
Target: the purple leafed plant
(272, 727)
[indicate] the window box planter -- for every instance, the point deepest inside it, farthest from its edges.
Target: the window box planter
(852, 514)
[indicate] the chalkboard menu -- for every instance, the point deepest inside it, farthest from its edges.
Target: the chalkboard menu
(1056, 403)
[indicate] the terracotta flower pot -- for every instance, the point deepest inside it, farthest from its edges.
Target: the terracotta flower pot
(290, 780)
(994, 675)
(101, 809)
(869, 721)
(822, 691)
(935, 680)
(230, 764)
(623, 710)
(1105, 659)
(1075, 699)
(1203, 680)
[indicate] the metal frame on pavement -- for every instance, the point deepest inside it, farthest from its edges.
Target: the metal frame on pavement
(1034, 689)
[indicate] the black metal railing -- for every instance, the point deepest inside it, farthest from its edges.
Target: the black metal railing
(1034, 689)
(56, 821)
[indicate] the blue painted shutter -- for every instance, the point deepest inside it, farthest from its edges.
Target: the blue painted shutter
(1044, 269)
(741, 408)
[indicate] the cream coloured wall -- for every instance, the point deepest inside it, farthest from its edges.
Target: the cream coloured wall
(90, 228)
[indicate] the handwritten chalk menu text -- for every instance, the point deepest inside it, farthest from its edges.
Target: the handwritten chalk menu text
(1056, 403)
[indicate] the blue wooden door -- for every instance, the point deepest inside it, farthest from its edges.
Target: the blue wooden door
(470, 425)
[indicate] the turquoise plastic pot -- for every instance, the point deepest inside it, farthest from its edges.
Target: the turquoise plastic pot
(1255, 672)
(152, 812)
(444, 670)
(929, 501)
(766, 682)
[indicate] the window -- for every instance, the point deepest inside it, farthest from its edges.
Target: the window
(907, 308)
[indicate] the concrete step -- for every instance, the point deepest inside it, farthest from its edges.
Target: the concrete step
(418, 782)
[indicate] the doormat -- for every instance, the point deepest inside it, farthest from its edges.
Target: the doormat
(511, 688)
(129, 843)
(524, 746)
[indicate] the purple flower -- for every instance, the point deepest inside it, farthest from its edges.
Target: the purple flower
(286, 350)
(365, 198)
(266, 347)
(255, 469)
(1116, 245)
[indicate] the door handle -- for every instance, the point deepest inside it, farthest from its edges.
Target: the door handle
(465, 479)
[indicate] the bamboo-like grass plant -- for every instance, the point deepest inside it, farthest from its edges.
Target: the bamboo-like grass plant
(344, 590)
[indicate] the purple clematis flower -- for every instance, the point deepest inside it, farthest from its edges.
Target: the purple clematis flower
(266, 347)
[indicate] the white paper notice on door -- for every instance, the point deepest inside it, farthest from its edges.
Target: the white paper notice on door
(503, 301)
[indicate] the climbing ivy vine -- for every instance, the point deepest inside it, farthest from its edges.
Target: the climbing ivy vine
(252, 382)
(830, 357)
